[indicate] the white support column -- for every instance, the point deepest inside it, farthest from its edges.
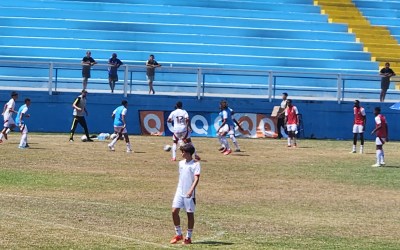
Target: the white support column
(270, 85)
(199, 82)
(126, 76)
(339, 88)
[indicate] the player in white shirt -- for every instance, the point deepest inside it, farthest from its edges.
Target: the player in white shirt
(185, 195)
(20, 121)
(180, 119)
(8, 111)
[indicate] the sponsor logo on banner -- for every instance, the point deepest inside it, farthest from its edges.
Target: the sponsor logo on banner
(207, 124)
(152, 122)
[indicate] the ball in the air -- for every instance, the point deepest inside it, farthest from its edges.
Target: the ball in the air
(83, 138)
(167, 148)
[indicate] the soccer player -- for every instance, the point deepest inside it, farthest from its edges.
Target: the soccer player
(8, 110)
(79, 112)
(185, 196)
(281, 115)
(291, 121)
(360, 119)
(227, 127)
(180, 119)
(382, 136)
(119, 115)
(19, 120)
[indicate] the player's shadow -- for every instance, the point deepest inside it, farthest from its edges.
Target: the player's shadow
(236, 154)
(390, 166)
(213, 243)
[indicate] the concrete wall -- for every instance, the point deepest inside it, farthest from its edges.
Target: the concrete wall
(322, 119)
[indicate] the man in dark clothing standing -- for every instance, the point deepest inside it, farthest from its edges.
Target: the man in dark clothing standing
(151, 71)
(87, 63)
(79, 112)
(385, 73)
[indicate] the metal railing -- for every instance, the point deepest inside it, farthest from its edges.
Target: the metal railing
(200, 81)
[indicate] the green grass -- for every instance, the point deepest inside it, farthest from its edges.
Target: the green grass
(61, 195)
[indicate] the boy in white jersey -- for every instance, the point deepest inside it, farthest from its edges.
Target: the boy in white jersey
(21, 115)
(180, 119)
(119, 115)
(8, 111)
(189, 176)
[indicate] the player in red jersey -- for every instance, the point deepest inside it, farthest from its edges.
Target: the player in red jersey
(292, 122)
(360, 120)
(382, 136)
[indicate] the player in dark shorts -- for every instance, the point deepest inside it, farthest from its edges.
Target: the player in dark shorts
(87, 63)
(385, 73)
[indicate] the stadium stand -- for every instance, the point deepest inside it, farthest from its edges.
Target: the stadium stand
(384, 13)
(289, 35)
(369, 21)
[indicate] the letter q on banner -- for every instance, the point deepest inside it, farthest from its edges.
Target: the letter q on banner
(248, 123)
(266, 127)
(152, 122)
(199, 125)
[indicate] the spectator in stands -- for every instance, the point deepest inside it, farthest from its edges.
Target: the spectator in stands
(150, 72)
(281, 116)
(113, 65)
(385, 73)
(87, 63)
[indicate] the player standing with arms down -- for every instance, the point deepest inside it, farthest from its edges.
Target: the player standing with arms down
(291, 121)
(87, 63)
(8, 110)
(185, 196)
(23, 113)
(360, 119)
(180, 119)
(382, 136)
(79, 112)
(119, 115)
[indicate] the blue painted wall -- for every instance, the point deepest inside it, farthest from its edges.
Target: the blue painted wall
(322, 119)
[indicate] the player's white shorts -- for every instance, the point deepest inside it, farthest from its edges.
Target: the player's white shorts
(182, 135)
(380, 141)
(9, 122)
(120, 129)
(291, 127)
(23, 129)
(230, 130)
(358, 129)
(182, 202)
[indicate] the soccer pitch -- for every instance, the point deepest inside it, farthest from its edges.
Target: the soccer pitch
(61, 195)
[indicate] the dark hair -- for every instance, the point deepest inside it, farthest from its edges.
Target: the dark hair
(178, 105)
(152, 56)
(224, 104)
(289, 100)
(285, 94)
(14, 93)
(84, 91)
(357, 101)
(27, 100)
(124, 102)
(388, 63)
(378, 109)
(187, 148)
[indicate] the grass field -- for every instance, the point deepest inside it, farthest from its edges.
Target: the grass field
(61, 195)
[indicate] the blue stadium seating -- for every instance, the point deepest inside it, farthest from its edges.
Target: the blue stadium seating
(289, 35)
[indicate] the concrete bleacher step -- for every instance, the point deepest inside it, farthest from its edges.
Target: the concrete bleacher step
(87, 36)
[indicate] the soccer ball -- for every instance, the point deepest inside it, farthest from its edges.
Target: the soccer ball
(84, 138)
(167, 148)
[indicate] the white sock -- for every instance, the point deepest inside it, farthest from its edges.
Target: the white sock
(128, 146)
(8, 131)
(361, 148)
(114, 141)
(189, 233)
(234, 141)
(382, 156)
(378, 155)
(289, 141)
(174, 150)
(1, 136)
(225, 142)
(178, 230)
(22, 142)
(354, 148)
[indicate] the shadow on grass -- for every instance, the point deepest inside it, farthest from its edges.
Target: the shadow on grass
(390, 166)
(213, 243)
